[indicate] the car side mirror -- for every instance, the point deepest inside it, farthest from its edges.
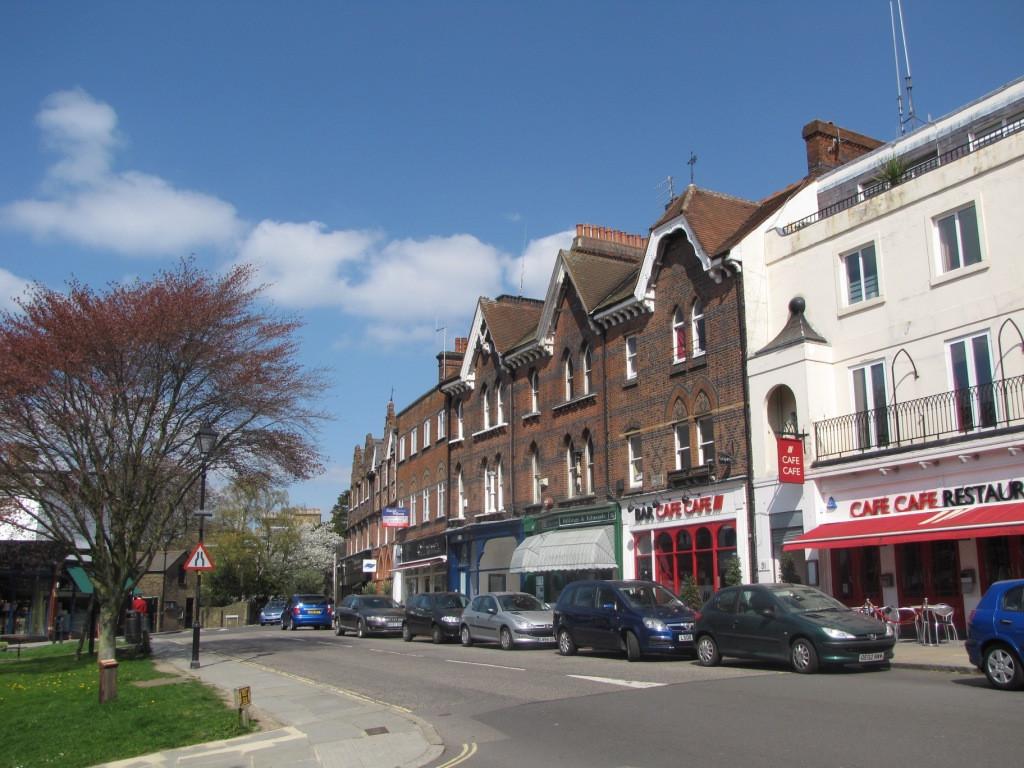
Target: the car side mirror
(609, 606)
(768, 612)
(492, 611)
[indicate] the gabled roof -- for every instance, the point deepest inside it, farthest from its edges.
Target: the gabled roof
(499, 325)
(598, 277)
(713, 216)
(765, 209)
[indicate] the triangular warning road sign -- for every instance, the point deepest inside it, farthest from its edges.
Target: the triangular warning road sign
(199, 560)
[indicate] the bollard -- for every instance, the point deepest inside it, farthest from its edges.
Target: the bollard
(108, 680)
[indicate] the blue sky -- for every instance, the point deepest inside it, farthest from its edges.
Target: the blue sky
(385, 164)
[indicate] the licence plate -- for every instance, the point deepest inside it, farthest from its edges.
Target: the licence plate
(313, 611)
(865, 657)
(686, 638)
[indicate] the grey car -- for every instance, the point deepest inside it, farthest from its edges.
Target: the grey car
(507, 618)
(368, 615)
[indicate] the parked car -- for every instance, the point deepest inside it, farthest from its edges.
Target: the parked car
(995, 634)
(307, 611)
(507, 618)
(638, 617)
(368, 615)
(791, 623)
(434, 613)
(271, 612)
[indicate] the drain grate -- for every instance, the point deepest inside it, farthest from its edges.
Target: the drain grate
(375, 731)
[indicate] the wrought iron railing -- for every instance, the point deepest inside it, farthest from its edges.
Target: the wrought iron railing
(911, 173)
(960, 412)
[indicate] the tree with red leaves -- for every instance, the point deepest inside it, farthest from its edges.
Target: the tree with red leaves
(102, 395)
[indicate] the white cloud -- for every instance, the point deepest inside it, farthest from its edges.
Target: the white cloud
(302, 262)
(11, 287)
(534, 266)
(130, 212)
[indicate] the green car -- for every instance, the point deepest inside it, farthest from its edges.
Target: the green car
(790, 623)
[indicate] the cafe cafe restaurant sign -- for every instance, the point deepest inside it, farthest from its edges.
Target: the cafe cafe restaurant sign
(937, 499)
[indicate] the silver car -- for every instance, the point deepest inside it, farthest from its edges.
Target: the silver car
(507, 618)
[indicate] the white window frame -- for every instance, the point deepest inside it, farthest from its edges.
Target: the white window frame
(401, 448)
(678, 336)
(442, 424)
(426, 433)
(412, 508)
(587, 364)
(460, 488)
(698, 328)
(868, 385)
(485, 404)
(681, 435)
(534, 391)
(442, 488)
(588, 466)
(459, 422)
(632, 370)
(568, 375)
(955, 214)
(983, 406)
(860, 257)
(574, 470)
(705, 439)
(635, 444)
(499, 409)
(412, 440)
(535, 475)
(425, 495)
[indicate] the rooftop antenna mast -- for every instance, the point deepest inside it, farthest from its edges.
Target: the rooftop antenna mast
(670, 186)
(522, 262)
(902, 82)
(442, 329)
(692, 162)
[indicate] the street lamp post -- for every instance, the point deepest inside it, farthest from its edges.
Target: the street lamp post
(206, 438)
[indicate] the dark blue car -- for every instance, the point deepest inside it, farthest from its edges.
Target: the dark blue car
(995, 634)
(638, 617)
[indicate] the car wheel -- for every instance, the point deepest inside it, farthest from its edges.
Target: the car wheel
(339, 630)
(803, 656)
(465, 637)
(283, 625)
(436, 635)
(1002, 668)
(292, 626)
(406, 632)
(505, 638)
(566, 645)
(361, 629)
(708, 654)
(632, 647)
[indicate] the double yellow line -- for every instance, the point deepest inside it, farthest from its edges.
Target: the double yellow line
(468, 750)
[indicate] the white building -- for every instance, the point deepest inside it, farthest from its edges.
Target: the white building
(885, 323)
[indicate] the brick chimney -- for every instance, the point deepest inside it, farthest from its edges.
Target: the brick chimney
(829, 146)
(450, 363)
(594, 232)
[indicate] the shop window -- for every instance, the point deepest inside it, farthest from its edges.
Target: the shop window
(644, 561)
(664, 542)
(703, 538)
(726, 536)
(676, 558)
(1000, 557)
(683, 540)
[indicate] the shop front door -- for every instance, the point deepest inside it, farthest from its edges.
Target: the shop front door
(856, 576)
(930, 571)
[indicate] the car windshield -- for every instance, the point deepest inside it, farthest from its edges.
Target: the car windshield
(452, 601)
(274, 605)
(310, 599)
(520, 603)
(378, 602)
(807, 600)
(649, 595)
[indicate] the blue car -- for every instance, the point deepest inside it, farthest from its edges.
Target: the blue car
(638, 617)
(271, 612)
(308, 611)
(995, 635)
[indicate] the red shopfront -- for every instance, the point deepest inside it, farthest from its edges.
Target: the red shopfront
(944, 541)
(684, 538)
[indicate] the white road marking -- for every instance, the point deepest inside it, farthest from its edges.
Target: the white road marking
(395, 653)
(479, 664)
(613, 681)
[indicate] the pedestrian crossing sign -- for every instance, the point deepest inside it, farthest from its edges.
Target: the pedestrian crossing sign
(199, 560)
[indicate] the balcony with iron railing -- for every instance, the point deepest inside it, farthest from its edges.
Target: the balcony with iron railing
(913, 172)
(957, 415)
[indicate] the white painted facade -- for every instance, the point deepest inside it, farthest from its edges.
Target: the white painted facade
(906, 330)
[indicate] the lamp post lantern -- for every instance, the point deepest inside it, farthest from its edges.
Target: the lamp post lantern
(206, 438)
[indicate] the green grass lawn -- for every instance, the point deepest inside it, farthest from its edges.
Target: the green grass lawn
(50, 712)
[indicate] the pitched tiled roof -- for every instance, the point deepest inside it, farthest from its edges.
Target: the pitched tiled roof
(599, 277)
(765, 208)
(713, 216)
(510, 319)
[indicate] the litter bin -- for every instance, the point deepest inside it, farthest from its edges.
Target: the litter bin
(133, 628)
(108, 680)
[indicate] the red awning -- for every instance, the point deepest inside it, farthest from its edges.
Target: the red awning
(967, 523)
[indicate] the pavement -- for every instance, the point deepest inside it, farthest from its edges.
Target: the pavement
(307, 724)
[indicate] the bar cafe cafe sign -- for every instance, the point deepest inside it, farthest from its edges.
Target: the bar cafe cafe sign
(678, 508)
(942, 498)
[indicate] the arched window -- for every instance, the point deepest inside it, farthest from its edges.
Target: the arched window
(461, 493)
(699, 338)
(574, 469)
(458, 419)
(534, 391)
(588, 465)
(535, 474)
(678, 336)
(485, 403)
(500, 404)
(568, 374)
(587, 361)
